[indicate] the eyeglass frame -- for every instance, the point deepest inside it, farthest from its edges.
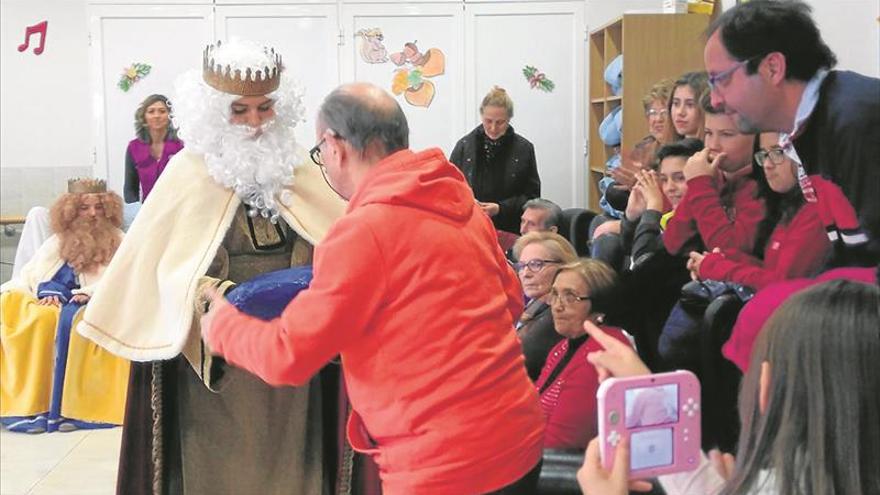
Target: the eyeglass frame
(518, 267)
(763, 154)
(315, 156)
(653, 112)
(315, 153)
(714, 79)
(554, 297)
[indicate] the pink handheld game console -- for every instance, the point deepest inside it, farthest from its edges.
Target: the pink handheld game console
(661, 415)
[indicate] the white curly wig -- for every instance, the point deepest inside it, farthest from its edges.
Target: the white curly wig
(255, 163)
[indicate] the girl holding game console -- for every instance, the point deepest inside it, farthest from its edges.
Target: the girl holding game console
(808, 404)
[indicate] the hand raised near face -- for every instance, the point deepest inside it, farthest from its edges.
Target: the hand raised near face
(649, 185)
(700, 164)
(635, 205)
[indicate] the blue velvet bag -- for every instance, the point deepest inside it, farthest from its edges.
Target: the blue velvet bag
(265, 296)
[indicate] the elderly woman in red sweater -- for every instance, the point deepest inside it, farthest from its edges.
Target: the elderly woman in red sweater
(567, 385)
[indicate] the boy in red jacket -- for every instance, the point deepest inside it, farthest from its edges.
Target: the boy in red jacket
(721, 210)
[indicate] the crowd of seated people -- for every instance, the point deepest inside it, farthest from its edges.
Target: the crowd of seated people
(710, 204)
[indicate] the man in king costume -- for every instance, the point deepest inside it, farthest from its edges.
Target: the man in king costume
(52, 379)
(237, 202)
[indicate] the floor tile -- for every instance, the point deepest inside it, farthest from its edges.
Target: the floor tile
(75, 463)
(18, 477)
(28, 447)
(79, 477)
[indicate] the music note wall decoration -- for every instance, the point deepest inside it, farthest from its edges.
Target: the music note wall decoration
(39, 28)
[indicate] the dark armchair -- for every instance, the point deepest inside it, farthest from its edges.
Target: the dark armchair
(575, 227)
(719, 378)
(559, 473)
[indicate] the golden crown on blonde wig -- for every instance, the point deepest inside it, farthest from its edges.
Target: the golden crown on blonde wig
(249, 83)
(86, 186)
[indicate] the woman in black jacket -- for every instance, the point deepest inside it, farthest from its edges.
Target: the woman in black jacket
(498, 163)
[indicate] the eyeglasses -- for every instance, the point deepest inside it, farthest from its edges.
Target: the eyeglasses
(534, 266)
(656, 113)
(775, 154)
(722, 77)
(567, 298)
(315, 153)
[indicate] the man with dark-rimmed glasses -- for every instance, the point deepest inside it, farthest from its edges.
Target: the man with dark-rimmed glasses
(769, 67)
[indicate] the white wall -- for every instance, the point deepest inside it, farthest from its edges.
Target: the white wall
(45, 110)
(600, 12)
(46, 101)
(852, 30)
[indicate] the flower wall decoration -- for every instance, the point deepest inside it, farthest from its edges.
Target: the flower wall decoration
(133, 74)
(538, 80)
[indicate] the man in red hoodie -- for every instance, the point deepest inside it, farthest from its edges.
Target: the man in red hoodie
(412, 290)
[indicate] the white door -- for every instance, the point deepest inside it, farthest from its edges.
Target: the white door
(414, 50)
(307, 38)
(168, 38)
(502, 40)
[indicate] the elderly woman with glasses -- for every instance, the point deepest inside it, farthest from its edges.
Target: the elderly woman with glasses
(540, 255)
(581, 292)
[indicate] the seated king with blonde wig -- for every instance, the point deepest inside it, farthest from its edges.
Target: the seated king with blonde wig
(53, 379)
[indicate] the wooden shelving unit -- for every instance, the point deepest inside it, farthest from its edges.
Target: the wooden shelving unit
(655, 46)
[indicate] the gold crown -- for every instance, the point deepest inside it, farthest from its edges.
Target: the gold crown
(256, 83)
(86, 186)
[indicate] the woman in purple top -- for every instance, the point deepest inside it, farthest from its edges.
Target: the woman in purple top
(149, 152)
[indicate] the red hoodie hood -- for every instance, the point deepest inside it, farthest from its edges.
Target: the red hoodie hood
(424, 180)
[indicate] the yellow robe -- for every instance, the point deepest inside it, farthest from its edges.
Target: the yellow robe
(95, 381)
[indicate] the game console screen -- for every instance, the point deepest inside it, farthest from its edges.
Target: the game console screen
(650, 448)
(651, 406)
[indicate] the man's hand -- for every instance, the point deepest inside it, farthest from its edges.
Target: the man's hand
(49, 301)
(609, 227)
(618, 359)
(217, 302)
(595, 480)
(490, 209)
(635, 205)
(80, 299)
(699, 164)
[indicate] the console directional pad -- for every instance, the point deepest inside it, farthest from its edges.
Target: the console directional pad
(691, 407)
(613, 438)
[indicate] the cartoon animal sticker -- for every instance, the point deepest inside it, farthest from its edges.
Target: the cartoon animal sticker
(372, 49)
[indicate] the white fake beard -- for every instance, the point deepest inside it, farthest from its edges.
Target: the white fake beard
(256, 168)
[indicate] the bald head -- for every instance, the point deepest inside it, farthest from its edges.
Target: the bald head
(367, 117)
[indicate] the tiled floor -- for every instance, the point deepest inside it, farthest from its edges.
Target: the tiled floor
(76, 463)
